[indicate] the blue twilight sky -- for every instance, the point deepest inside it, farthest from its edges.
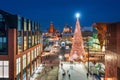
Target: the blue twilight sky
(62, 12)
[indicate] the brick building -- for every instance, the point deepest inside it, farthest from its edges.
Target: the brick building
(110, 33)
(20, 47)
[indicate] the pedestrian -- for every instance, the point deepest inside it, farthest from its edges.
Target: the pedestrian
(63, 74)
(68, 72)
(87, 74)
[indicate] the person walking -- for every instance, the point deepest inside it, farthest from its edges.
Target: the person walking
(68, 72)
(87, 74)
(63, 74)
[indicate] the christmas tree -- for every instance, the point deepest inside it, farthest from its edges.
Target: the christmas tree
(77, 50)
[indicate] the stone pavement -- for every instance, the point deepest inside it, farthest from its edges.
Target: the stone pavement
(77, 71)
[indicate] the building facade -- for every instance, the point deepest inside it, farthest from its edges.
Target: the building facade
(20, 47)
(67, 33)
(112, 60)
(110, 34)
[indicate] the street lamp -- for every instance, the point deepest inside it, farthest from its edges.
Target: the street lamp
(60, 57)
(87, 45)
(88, 56)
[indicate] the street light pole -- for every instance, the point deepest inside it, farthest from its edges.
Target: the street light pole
(88, 57)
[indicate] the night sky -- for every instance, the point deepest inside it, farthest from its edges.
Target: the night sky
(62, 12)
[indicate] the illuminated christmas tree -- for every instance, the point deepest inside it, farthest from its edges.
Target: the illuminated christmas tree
(77, 50)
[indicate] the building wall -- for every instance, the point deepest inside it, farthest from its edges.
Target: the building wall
(21, 56)
(111, 36)
(112, 61)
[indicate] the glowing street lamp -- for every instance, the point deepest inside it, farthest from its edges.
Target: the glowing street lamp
(60, 57)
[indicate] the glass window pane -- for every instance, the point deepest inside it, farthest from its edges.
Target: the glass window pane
(5, 63)
(1, 63)
(19, 23)
(25, 25)
(1, 72)
(6, 72)
(25, 42)
(19, 43)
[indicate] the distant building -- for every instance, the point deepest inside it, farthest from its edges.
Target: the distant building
(51, 28)
(67, 33)
(110, 32)
(87, 33)
(20, 47)
(52, 32)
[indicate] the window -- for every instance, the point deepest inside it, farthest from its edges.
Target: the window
(29, 25)
(19, 43)
(1, 18)
(3, 44)
(24, 61)
(29, 41)
(28, 57)
(35, 52)
(33, 26)
(35, 39)
(36, 26)
(25, 42)
(18, 62)
(25, 25)
(19, 23)
(24, 74)
(4, 69)
(33, 42)
(32, 55)
(3, 35)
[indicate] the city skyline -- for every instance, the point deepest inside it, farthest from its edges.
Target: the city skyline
(63, 12)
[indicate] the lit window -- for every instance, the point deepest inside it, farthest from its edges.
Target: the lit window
(19, 43)
(25, 25)
(4, 69)
(29, 25)
(18, 62)
(33, 41)
(25, 42)
(24, 61)
(28, 57)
